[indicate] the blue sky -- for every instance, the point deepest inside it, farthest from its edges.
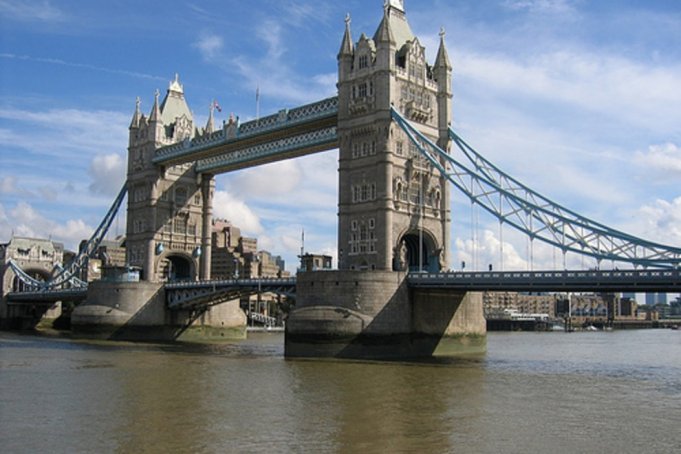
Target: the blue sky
(579, 99)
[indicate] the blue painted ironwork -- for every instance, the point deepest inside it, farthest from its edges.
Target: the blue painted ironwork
(658, 281)
(67, 277)
(326, 108)
(312, 139)
(48, 296)
(203, 294)
(533, 214)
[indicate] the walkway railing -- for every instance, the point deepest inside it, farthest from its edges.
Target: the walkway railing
(326, 108)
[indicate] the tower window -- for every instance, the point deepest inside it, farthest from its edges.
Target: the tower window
(181, 226)
(180, 196)
(363, 61)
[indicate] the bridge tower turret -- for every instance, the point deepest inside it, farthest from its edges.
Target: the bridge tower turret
(393, 206)
(166, 206)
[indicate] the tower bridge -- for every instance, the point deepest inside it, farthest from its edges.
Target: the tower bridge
(391, 122)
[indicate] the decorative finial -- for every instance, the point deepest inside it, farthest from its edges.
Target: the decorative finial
(177, 78)
(442, 33)
(347, 20)
(157, 94)
(138, 101)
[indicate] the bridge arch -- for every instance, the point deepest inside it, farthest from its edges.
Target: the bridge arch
(417, 250)
(38, 274)
(177, 266)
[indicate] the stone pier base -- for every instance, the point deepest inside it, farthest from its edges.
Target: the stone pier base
(354, 314)
(137, 311)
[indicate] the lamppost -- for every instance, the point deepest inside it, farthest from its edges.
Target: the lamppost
(259, 275)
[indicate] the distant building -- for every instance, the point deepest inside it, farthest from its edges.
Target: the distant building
(313, 262)
(602, 306)
(497, 302)
(234, 255)
(40, 259)
(108, 254)
(37, 257)
(656, 298)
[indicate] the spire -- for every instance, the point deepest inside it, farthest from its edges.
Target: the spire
(397, 4)
(175, 85)
(155, 110)
(210, 126)
(135, 123)
(347, 47)
(384, 34)
(442, 60)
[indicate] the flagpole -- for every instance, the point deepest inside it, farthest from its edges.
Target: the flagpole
(257, 102)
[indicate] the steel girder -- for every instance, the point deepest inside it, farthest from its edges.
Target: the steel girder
(536, 216)
(67, 277)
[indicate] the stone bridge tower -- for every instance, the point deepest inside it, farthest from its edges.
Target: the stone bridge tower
(169, 209)
(393, 205)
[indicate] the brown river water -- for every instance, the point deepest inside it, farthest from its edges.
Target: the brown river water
(604, 392)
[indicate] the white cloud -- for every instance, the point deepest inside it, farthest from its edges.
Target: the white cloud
(280, 80)
(209, 45)
(226, 206)
(24, 220)
(64, 133)
(277, 179)
(541, 6)
(31, 11)
(664, 158)
(59, 62)
(107, 173)
(660, 221)
(485, 251)
(636, 94)
(8, 185)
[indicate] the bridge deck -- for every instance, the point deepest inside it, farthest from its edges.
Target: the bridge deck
(288, 134)
(658, 281)
(47, 297)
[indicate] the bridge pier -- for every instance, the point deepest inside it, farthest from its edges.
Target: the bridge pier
(374, 314)
(138, 311)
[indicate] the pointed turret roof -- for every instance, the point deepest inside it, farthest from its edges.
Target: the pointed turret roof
(442, 59)
(174, 104)
(155, 110)
(347, 46)
(384, 33)
(210, 125)
(137, 116)
(395, 20)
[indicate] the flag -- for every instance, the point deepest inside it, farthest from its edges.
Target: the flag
(217, 106)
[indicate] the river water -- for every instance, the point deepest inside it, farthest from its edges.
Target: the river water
(612, 392)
